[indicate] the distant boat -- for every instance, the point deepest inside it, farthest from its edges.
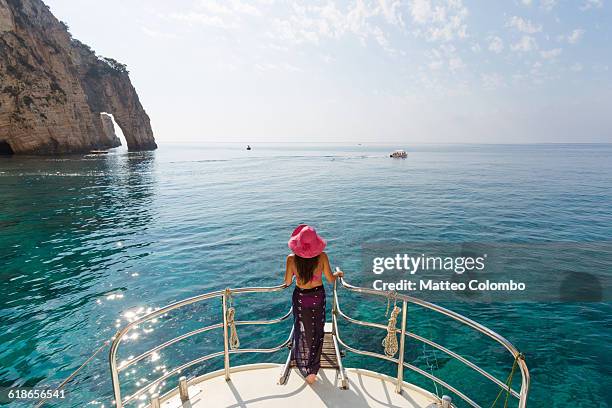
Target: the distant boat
(248, 147)
(399, 154)
(98, 152)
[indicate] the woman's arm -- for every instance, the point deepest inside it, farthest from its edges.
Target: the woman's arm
(331, 277)
(289, 270)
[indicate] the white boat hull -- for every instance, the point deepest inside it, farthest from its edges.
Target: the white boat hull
(255, 385)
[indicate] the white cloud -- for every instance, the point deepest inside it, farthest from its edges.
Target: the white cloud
(592, 4)
(527, 2)
(525, 44)
(245, 8)
(575, 36)
(550, 54)
(523, 26)
(445, 55)
(228, 7)
(421, 11)
(214, 7)
(391, 10)
(313, 23)
(492, 81)
(381, 39)
(440, 20)
(548, 4)
(218, 14)
(205, 19)
(496, 44)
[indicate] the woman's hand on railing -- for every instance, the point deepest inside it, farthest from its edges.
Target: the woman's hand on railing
(288, 282)
(338, 273)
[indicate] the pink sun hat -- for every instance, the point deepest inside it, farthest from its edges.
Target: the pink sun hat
(305, 242)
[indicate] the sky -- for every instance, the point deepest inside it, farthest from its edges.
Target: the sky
(379, 71)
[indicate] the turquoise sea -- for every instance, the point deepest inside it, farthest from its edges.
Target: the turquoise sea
(89, 242)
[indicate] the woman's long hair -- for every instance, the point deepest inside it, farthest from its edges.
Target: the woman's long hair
(305, 268)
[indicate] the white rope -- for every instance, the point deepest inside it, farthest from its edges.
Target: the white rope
(389, 343)
(234, 341)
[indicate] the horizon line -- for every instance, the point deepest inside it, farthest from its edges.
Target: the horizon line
(388, 143)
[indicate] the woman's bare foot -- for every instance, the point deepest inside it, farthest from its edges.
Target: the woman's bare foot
(311, 378)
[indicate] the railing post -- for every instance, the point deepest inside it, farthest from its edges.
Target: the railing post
(155, 401)
(183, 389)
(115, 373)
(400, 362)
(225, 336)
(334, 306)
(343, 379)
(526, 379)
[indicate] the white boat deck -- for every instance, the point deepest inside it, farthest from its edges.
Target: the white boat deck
(256, 386)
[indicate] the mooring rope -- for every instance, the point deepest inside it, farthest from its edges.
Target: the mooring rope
(234, 341)
(508, 382)
(430, 366)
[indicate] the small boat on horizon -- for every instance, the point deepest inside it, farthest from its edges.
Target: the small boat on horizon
(248, 147)
(399, 154)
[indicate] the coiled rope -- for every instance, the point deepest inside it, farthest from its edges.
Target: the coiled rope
(389, 343)
(234, 341)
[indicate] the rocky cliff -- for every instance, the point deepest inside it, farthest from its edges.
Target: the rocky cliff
(54, 89)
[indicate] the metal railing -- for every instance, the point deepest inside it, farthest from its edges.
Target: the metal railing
(224, 295)
(401, 364)
(116, 369)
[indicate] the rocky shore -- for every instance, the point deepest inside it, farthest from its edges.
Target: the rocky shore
(54, 90)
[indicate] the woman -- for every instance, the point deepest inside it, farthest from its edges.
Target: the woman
(308, 263)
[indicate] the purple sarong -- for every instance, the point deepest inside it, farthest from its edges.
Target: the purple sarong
(308, 328)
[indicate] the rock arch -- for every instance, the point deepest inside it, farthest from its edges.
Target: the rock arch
(109, 91)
